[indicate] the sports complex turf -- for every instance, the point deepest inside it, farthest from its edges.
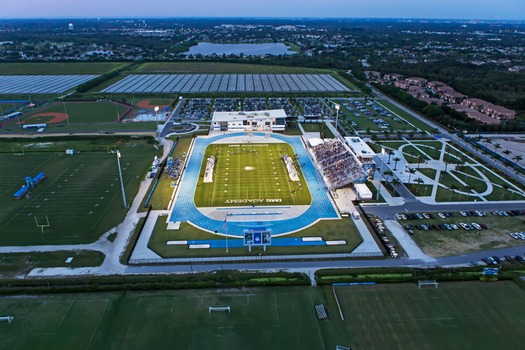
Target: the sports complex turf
(246, 174)
(80, 112)
(471, 315)
(221, 67)
(58, 68)
(81, 195)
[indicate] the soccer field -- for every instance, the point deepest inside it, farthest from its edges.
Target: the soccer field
(246, 174)
(81, 196)
(470, 315)
(79, 112)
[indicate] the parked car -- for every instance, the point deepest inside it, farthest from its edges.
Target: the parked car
(441, 215)
(476, 226)
(519, 258)
(454, 226)
(464, 226)
(508, 258)
(497, 259)
(462, 213)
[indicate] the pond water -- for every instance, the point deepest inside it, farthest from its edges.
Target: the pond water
(207, 49)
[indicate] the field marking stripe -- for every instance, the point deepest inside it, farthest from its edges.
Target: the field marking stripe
(63, 317)
(98, 324)
(315, 320)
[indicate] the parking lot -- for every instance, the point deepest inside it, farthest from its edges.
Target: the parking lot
(450, 233)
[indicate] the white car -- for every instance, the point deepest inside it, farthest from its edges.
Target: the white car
(454, 226)
(464, 226)
(476, 226)
(426, 216)
(462, 213)
(441, 215)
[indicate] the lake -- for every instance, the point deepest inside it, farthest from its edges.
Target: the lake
(207, 49)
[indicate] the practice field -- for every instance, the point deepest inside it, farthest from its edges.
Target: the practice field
(35, 68)
(250, 173)
(81, 196)
(453, 316)
(471, 315)
(81, 112)
(222, 67)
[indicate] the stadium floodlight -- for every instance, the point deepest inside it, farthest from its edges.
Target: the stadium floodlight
(121, 182)
(381, 172)
(337, 106)
(157, 119)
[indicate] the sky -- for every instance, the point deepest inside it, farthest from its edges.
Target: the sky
(449, 9)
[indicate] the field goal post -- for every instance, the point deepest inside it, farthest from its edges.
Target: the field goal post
(219, 309)
(421, 283)
(8, 319)
(42, 225)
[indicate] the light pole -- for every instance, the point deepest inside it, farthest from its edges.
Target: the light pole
(157, 119)
(121, 182)
(381, 173)
(337, 106)
(65, 111)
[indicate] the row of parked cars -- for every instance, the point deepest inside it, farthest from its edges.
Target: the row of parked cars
(495, 260)
(380, 229)
(518, 235)
(421, 216)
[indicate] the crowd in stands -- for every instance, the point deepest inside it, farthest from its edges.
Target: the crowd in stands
(174, 168)
(338, 164)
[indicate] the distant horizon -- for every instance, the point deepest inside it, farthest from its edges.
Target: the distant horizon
(506, 10)
(270, 17)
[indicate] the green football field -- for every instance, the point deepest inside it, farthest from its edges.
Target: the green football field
(470, 315)
(250, 173)
(81, 196)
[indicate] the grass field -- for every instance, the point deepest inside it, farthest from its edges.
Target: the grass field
(81, 195)
(398, 316)
(15, 264)
(219, 67)
(248, 172)
(328, 229)
(59, 68)
(80, 112)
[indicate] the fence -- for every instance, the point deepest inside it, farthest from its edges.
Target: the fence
(254, 258)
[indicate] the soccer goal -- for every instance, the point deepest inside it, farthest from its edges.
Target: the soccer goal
(219, 309)
(423, 283)
(8, 319)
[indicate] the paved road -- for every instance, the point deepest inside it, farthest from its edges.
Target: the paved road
(459, 141)
(313, 266)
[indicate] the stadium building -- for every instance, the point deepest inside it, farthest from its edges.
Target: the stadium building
(364, 154)
(269, 120)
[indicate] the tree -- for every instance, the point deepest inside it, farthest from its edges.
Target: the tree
(507, 153)
(388, 173)
(411, 171)
(396, 159)
(419, 181)
(419, 158)
(518, 158)
(390, 154)
(396, 183)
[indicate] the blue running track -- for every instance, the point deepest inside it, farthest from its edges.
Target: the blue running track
(184, 208)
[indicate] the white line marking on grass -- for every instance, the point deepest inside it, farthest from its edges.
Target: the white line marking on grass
(98, 324)
(315, 320)
(63, 317)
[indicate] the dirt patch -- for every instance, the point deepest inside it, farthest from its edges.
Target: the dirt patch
(49, 118)
(148, 104)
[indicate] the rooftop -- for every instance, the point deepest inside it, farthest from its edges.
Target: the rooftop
(239, 116)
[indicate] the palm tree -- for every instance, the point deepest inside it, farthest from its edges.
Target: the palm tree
(411, 171)
(390, 154)
(388, 173)
(507, 154)
(518, 158)
(396, 159)
(419, 181)
(396, 183)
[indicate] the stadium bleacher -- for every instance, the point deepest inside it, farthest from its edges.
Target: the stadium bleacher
(337, 162)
